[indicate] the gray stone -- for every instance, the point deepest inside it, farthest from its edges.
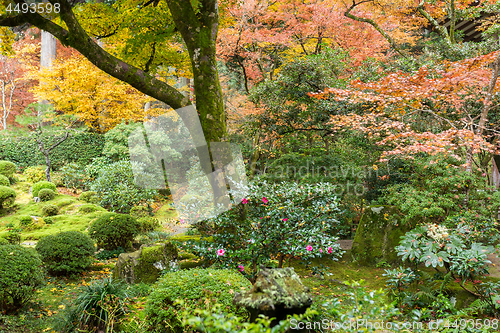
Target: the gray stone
(145, 265)
(277, 292)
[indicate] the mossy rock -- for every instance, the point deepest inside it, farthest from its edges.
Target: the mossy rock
(146, 264)
(188, 260)
(36, 223)
(379, 232)
(277, 292)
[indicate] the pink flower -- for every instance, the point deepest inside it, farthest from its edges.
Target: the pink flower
(329, 249)
(181, 220)
(321, 250)
(264, 199)
(285, 219)
(244, 201)
(241, 268)
(220, 252)
(309, 248)
(261, 218)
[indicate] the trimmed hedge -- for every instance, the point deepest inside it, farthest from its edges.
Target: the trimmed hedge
(113, 230)
(41, 185)
(80, 148)
(4, 181)
(67, 252)
(21, 273)
(46, 194)
(7, 168)
(198, 288)
(7, 195)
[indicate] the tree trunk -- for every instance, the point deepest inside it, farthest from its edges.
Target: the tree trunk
(48, 51)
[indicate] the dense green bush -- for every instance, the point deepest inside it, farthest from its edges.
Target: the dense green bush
(46, 194)
(43, 184)
(4, 181)
(139, 211)
(148, 223)
(89, 197)
(67, 252)
(20, 274)
(7, 169)
(35, 174)
(7, 196)
(3, 241)
(80, 148)
(117, 189)
(25, 220)
(88, 208)
(197, 288)
(73, 176)
(113, 230)
(50, 210)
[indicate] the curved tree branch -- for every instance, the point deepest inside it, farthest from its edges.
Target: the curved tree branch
(77, 38)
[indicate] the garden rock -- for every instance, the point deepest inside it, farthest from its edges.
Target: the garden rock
(36, 223)
(379, 232)
(145, 265)
(277, 292)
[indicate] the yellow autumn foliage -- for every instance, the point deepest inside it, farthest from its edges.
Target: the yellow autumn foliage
(75, 86)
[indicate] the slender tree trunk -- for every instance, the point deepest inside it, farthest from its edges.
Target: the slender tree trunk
(255, 154)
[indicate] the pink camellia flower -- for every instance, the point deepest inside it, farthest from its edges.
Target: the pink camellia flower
(241, 268)
(244, 201)
(264, 199)
(309, 248)
(220, 252)
(285, 219)
(321, 250)
(329, 249)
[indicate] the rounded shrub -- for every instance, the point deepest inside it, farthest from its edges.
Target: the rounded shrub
(89, 197)
(7, 169)
(113, 230)
(25, 220)
(20, 274)
(46, 194)
(4, 181)
(7, 196)
(41, 185)
(50, 210)
(68, 252)
(88, 208)
(139, 211)
(117, 187)
(35, 174)
(148, 223)
(196, 287)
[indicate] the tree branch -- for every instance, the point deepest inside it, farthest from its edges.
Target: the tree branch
(374, 25)
(489, 94)
(442, 30)
(77, 38)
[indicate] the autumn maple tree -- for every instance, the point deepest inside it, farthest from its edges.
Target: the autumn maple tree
(76, 87)
(258, 37)
(456, 100)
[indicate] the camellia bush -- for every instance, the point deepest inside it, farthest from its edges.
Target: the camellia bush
(274, 222)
